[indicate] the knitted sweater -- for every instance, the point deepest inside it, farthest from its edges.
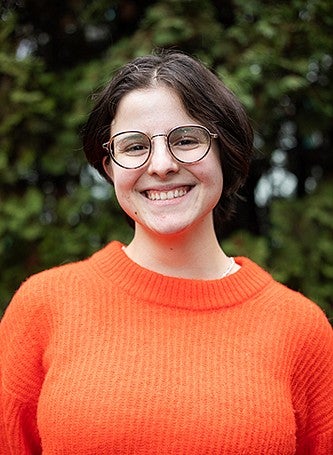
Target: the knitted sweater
(105, 357)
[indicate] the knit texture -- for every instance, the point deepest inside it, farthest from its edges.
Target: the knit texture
(106, 357)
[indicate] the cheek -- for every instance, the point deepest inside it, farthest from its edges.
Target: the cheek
(215, 180)
(124, 186)
(121, 191)
(124, 200)
(218, 170)
(212, 173)
(121, 179)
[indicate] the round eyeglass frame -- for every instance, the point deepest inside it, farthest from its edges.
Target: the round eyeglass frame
(109, 144)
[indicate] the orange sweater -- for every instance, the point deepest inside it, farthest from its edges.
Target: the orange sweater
(105, 357)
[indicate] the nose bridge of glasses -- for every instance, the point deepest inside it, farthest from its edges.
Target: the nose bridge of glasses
(158, 135)
(165, 136)
(161, 158)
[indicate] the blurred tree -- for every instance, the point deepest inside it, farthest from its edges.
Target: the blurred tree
(299, 249)
(69, 32)
(277, 57)
(48, 196)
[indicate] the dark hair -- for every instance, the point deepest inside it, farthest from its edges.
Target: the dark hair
(205, 98)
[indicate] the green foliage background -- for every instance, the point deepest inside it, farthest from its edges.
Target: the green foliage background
(276, 56)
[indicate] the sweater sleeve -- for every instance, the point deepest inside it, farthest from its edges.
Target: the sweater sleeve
(22, 339)
(312, 385)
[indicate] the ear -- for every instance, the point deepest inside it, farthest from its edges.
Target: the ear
(107, 165)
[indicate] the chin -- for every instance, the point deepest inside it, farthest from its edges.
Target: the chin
(170, 229)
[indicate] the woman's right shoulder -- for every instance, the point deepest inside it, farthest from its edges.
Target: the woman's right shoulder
(47, 289)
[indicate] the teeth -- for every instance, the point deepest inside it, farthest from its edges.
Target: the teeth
(165, 195)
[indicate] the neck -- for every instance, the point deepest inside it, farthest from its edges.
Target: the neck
(194, 254)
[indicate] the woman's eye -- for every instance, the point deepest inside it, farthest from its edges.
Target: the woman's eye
(135, 149)
(185, 142)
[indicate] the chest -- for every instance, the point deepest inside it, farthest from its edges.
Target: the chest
(150, 384)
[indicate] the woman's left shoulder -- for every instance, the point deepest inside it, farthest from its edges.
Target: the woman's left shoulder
(307, 310)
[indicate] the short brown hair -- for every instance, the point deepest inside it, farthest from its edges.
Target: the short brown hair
(205, 98)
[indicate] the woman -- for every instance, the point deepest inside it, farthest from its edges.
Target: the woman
(166, 345)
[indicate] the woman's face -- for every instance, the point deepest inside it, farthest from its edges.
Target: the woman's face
(164, 196)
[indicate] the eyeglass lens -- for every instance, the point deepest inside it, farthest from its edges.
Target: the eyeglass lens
(187, 144)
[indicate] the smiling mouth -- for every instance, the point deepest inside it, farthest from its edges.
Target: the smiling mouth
(155, 195)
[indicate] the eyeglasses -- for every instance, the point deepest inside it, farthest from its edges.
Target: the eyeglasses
(187, 144)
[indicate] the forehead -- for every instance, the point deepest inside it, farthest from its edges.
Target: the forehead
(151, 110)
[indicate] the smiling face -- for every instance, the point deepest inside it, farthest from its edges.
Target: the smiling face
(164, 197)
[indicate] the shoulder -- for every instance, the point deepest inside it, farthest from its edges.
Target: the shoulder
(299, 327)
(301, 320)
(281, 297)
(299, 307)
(288, 308)
(44, 290)
(47, 281)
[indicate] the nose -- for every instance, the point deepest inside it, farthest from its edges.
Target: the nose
(161, 161)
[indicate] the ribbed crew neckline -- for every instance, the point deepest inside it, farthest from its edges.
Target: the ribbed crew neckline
(117, 270)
